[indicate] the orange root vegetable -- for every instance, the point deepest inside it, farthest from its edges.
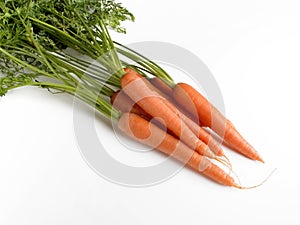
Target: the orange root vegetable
(147, 133)
(164, 90)
(203, 135)
(209, 116)
(123, 103)
(167, 92)
(161, 85)
(156, 106)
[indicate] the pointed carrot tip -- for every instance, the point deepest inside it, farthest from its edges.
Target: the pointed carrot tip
(235, 185)
(259, 158)
(220, 153)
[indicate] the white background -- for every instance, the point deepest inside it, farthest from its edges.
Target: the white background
(253, 50)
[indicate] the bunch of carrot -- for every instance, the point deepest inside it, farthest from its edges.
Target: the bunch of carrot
(150, 105)
(166, 116)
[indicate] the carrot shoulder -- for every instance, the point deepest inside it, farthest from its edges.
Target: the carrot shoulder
(209, 116)
(147, 133)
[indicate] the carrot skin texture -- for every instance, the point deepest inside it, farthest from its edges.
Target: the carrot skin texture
(210, 117)
(149, 134)
(155, 105)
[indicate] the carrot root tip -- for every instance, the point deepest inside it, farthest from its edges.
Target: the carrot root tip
(224, 161)
(255, 186)
(259, 158)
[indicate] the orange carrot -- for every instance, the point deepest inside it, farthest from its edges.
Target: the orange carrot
(209, 116)
(164, 90)
(155, 105)
(203, 135)
(147, 133)
(123, 103)
(161, 85)
(167, 92)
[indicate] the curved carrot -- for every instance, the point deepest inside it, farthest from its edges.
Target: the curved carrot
(155, 105)
(145, 132)
(209, 116)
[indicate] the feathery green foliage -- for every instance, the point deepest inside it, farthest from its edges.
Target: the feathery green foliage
(29, 53)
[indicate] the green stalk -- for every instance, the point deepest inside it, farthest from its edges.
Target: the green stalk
(65, 38)
(40, 51)
(96, 86)
(113, 63)
(85, 95)
(110, 46)
(26, 65)
(145, 62)
(82, 92)
(97, 72)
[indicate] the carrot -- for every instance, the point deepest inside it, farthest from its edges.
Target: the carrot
(155, 105)
(147, 133)
(209, 116)
(164, 90)
(203, 135)
(123, 103)
(167, 92)
(161, 85)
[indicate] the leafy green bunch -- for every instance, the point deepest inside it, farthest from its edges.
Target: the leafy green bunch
(33, 35)
(57, 24)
